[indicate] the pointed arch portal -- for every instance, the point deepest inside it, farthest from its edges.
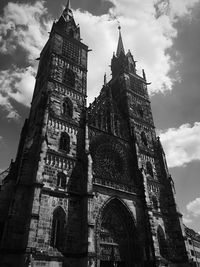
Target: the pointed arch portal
(116, 238)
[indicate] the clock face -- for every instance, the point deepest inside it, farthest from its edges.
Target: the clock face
(108, 162)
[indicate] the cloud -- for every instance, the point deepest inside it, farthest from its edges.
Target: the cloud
(25, 26)
(6, 106)
(187, 219)
(148, 31)
(147, 28)
(194, 207)
(16, 84)
(181, 145)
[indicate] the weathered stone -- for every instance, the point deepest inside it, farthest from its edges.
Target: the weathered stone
(90, 186)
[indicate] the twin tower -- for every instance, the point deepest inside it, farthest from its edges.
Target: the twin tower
(90, 186)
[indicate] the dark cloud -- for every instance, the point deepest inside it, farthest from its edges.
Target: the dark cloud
(10, 132)
(187, 187)
(96, 7)
(17, 58)
(181, 105)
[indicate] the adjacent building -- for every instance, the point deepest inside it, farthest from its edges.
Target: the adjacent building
(90, 185)
(193, 246)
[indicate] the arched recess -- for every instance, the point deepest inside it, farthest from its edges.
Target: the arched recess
(144, 138)
(58, 228)
(67, 107)
(162, 242)
(149, 168)
(116, 237)
(64, 143)
(69, 78)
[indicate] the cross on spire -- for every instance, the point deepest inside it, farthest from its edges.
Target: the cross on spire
(120, 46)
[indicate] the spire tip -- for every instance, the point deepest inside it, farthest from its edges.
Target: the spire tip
(120, 46)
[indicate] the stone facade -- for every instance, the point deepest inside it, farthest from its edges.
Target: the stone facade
(193, 246)
(89, 186)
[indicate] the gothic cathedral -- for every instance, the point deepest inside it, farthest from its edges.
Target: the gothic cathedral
(90, 186)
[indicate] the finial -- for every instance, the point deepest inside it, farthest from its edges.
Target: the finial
(120, 46)
(143, 74)
(68, 5)
(105, 79)
(67, 12)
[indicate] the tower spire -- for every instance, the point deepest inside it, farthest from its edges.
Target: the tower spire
(67, 12)
(120, 46)
(68, 5)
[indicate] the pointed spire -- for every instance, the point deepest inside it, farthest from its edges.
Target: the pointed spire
(120, 46)
(105, 79)
(68, 5)
(143, 74)
(67, 12)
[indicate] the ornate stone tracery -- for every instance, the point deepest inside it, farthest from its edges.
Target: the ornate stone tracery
(111, 160)
(116, 236)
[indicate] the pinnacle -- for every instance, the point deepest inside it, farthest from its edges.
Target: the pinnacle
(68, 5)
(67, 13)
(120, 46)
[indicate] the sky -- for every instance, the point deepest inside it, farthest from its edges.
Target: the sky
(164, 38)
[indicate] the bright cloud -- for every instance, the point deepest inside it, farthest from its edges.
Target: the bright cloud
(194, 207)
(16, 84)
(148, 31)
(181, 145)
(6, 105)
(25, 26)
(147, 28)
(187, 219)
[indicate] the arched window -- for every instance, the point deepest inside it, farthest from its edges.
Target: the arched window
(143, 138)
(149, 168)
(154, 202)
(162, 242)
(67, 107)
(69, 78)
(61, 180)
(140, 111)
(64, 142)
(57, 231)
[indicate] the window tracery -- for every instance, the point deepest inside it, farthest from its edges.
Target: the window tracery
(67, 107)
(108, 163)
(69, 78)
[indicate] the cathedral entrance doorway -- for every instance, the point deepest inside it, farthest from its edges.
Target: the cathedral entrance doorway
(117, 236)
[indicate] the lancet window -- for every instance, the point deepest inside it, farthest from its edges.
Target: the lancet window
(57, 231)
(64, 142)
(69, 78)
(67, 107)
